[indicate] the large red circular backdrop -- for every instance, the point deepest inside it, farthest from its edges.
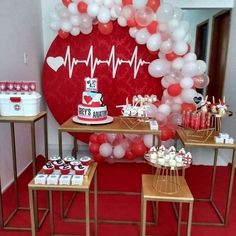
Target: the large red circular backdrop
(63, 91)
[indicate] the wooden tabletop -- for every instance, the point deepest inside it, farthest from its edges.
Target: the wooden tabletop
(86, 183)
(119, 125)
(22, 119)
(209, 143)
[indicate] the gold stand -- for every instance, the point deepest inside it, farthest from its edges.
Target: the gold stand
(22, 119)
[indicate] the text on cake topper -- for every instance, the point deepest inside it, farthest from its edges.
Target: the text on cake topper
(56, 62)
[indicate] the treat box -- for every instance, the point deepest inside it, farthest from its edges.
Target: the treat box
(19, 104)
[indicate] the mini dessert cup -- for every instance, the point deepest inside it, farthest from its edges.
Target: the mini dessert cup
(58, 163)
(48, 168)
(65, 169)
(85, 160)
(79, 170)
(74, 164)
(69, 159)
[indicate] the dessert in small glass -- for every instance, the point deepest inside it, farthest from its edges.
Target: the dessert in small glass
(85, 160)
(69, 159)
(58, 163)
(65, 169)
(79, 169)
(48, 168)
(74, 164)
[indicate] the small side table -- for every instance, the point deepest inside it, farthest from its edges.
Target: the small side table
(85, 187)
(21, 119)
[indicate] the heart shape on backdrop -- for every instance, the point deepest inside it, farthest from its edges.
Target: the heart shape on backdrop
(55, 62)
(88, 99)
(198, 99)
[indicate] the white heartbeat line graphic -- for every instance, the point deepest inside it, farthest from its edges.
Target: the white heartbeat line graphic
(56, 62)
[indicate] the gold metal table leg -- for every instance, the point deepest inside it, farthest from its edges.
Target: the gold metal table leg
(32, 212)
(87, 212)
(95, 204)
(190, 213)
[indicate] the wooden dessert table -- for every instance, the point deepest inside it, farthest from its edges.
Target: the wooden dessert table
(117, 126)
(12, 120)
(85, 188)
(210, 143)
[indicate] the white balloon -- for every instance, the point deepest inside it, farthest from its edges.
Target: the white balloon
(66, 26)
(185, 24)
(99, 2)
(190, 57)
(176, 107)
(187, 95)
(166, 46)
(177, 64)
(86, 21)
(133, 31)
(177, 100)
(163, 27)
(138, 4)
(72, 7)
(154, 42)
(118, 2)
(142, 36)
(178, 34)
(190, 69)
(127, 11)
(75, 20)
(180, 47)
(63, 13)
(105, 149)
(159, 68)
(86, 30)
(93, 9)
(167, 80)
(115, 11)
(173, 24)
(186, 82)
(75, 31)
(165, 109)
(201, 67)
(148, 140)
(55, 25)
(165, 12)
(108, 3)
(122, 21)
(118, 151)
(178, 13)
(104, 15)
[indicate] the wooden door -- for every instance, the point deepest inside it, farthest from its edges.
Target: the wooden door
(218, 54)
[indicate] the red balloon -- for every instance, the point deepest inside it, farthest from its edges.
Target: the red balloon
(98, 158)
(63, 34)
(101, 138)
(154, 4)
(105, 28)
(94, 148)
(174, 90)
(131, 22)
(152, 28)
(188, 107)
(129, 155)
(166, 133)
(66, 2)
(127, 2)
(82, 7)
(93, 138)
(171, 56)
(139, 149)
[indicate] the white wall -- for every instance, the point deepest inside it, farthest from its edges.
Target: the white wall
(21, 32)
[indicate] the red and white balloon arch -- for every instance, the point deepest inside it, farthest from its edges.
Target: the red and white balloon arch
(158, 26)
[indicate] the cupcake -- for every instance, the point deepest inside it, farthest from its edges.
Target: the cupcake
(69, 159)
(79, 170)
(48, 168)
(74, 164)
(65, 169)
(85, 160)
(58, 163)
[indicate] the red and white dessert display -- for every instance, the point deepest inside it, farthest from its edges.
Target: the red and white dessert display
(92, 107)
(85, 160)
(79, 170)
(169, 157)
(48, 168)
(58, 163)
(65, 169)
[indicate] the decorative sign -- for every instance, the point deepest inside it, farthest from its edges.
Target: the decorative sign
(118, 63)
